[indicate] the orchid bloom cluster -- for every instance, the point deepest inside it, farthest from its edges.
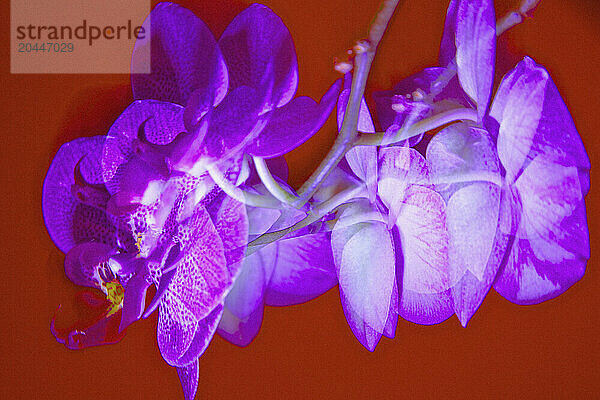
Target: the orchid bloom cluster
(187, 191)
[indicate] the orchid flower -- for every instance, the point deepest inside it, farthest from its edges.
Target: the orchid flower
(515, 184)
(390, 251)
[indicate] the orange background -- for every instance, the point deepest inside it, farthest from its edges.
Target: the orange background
(549, 350)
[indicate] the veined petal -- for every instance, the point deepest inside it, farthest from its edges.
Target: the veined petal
(293, 124)
(202, 277)
(533, 119)
(231, 221)
(476, 50)
(422, 226)
(177, 326)
(303, 269)
(188, 377)
(184, 57)
(552, 241)
(204, 333)
(255, 38)
(367, 286)
(68, 220)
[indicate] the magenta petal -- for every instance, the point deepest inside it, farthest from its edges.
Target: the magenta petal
(188, 377)
(291, 125)
(231, 222)
(176, 328)
(202, 277)
(184, 57)
(234, 123)
(448, 44)
(161, 121)
(254, 39)
(204, 332)
(304, 269)
(534, 120)
(70, 222)
(134, 298)
(476, 50)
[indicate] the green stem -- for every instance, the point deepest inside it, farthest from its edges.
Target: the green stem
(250, 199)
(270, 183)
(425, 125)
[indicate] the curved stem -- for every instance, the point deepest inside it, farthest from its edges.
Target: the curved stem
(270, 183)
(316, 214)
(425, 125)
(247, 198)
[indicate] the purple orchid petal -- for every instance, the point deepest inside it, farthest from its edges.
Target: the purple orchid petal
(366, 288)
(134, 297)
(202, 277)
(476, 50)
(83, 260)
(400, 167)
(188, 377)
(254, 39)
(534, 120)
(261, 219)
(177, 326)
(204, 332)
(428, 92)
(69, 221)
(161, 290)
(293, 124)
(234, 123)
(184, 57)
(231, 222)
(552, 241)
(247, 291)
(240, 331)
(448, 44)
(277, 166)
(303, 270)
(161, 123)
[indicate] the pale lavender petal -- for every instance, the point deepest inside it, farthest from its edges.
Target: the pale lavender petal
(254, 39)
(476, 50)
(303, 270)
(246, 294)
(261, 219)
(184, 57)
(204, 333)
(552, 241)
(240, 331)
(533, 119)
(188, 376)
(70, 222)
(293, 124)
(367, 286)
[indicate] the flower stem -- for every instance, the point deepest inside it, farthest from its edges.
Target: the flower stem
(270, 183)
(425, 125)
(365, 53)
(247, 198)
(316, 214)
